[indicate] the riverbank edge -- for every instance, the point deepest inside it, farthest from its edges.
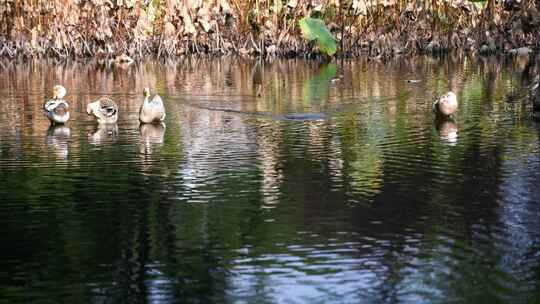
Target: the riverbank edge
(13, 51)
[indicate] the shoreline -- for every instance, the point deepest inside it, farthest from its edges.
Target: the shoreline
(529, 60)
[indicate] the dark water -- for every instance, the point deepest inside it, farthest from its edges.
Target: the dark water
(335, 185)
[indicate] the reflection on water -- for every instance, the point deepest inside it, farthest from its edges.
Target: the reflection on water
(151, 140)
(448, 130)
(58, 140)
(103, 133)
(271, 182)
(152, 134)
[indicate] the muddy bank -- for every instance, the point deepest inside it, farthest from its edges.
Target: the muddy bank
(169, 28)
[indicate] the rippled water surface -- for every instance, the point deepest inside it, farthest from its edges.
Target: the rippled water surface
(276, 182)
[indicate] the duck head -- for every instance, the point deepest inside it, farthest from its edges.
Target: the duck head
(146, 92)
(59, 92)
(92, 108)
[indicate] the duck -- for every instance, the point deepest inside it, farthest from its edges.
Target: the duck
(123, 58)
(104, 109)
(57, 109)
(152, 109)
(446, 105)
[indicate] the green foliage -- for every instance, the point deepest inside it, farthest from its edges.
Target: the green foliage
(479, 4)
(315, 29)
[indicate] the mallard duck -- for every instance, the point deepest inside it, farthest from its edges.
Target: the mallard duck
(446, 105)
(152, 109)
(56, 109)
(104, 109)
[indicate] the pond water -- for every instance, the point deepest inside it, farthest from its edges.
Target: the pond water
(271, 182)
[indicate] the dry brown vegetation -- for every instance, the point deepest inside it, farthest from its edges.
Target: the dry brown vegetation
(108, 28)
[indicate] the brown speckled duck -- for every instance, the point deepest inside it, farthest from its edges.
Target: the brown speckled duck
(104, 109)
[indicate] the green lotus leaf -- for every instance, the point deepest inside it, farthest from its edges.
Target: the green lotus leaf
(315, 29)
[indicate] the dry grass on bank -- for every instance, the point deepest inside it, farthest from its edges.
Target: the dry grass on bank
(167, 28)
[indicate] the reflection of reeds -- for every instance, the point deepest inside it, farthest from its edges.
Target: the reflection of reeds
(58, 140)
(172, 27)
(230, 81)
(371, 104)
(230, 84)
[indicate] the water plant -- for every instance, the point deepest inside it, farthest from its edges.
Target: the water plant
(315, 29)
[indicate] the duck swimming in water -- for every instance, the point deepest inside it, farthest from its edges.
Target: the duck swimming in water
(56, 109)
(446, 105)
(152, 109)
(104, 109)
